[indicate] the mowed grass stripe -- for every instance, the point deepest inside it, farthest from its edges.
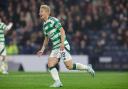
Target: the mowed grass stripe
(82, 80)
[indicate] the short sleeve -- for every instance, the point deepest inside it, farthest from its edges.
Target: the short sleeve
(3, 26)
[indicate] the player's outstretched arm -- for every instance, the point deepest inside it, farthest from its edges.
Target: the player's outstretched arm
(9, 26)
(45, 43)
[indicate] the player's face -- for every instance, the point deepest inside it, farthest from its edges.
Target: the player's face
(43, 14)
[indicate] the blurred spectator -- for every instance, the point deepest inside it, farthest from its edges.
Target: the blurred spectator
(125, 38)
(12, 48)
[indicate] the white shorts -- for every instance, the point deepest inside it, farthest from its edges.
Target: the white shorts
(2, 50)
(64, 55)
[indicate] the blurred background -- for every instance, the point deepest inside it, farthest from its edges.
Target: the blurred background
(97, 29)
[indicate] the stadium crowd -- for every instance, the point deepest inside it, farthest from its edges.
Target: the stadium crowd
(93, 27)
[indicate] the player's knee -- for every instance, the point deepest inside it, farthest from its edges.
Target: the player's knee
(2, 58)
(69, 67)
(50, 65)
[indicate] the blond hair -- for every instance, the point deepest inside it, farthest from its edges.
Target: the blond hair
(46, 8)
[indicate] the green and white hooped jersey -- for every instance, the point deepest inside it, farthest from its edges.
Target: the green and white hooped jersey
(51, 29)
(2, 28)
(2, 39)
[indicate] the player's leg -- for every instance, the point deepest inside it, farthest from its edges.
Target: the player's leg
(52, 62)
(3, 61)
(3, 65)
(76, 66)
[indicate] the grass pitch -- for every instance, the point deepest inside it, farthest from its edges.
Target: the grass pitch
(80, 80)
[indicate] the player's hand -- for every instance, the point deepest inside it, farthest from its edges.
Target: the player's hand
(61, 47)
(11, 23)
(40, 53)
(9, 26)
